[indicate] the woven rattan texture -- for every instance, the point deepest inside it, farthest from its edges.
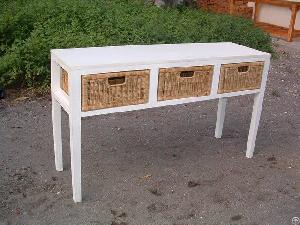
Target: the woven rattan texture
(172, 85)
(64, 78)
(240, 77)
(99, 93)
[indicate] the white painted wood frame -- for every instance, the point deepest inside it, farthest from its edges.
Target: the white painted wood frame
(79, 62)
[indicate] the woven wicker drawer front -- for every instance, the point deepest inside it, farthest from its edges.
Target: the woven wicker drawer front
(240, 77)
(176, 83)
(64, 78)
(109, 90)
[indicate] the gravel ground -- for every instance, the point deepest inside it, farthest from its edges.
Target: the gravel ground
(159, 166)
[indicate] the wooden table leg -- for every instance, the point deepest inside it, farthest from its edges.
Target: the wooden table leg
(56, 116)
(256, 11)
(231, 7)
(220, 117)
(292, 23)
(256, 112)
(56, 120)
(75, 133)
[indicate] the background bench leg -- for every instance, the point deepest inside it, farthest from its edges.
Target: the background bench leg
(220, 117)
(292, 23)
(256, 113)
(56, 120)
(75, 145)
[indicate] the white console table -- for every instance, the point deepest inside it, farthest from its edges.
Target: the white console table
(83, 84)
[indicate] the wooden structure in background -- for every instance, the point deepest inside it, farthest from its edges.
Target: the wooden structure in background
(232, 7)
(278, 31)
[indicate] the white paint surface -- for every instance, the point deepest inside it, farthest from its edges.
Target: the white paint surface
(78, 62)
(220, 117)
(150, 54)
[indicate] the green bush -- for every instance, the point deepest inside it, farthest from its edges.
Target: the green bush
(29, 29)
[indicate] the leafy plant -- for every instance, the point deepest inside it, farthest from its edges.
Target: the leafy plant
(29, 29)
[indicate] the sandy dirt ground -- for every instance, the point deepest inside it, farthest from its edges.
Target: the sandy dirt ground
(160, 166)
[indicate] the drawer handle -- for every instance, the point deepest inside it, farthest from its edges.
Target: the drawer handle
(243, 69)
(116, 80)
(185, 74)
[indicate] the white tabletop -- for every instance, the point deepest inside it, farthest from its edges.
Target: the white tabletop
(80, 58)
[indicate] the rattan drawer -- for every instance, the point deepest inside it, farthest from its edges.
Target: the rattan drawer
(107, 90)
(184, 82)
(64, 79)
(240, 77)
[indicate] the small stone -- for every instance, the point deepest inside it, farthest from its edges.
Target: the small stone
(157, 207)
(18, 211)
(113, 212)
(272, 159)
(155, 191)
(123, 214)
(193, 184)
(236, 218)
